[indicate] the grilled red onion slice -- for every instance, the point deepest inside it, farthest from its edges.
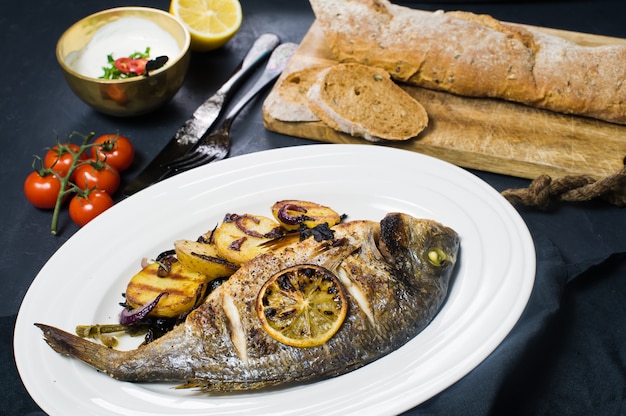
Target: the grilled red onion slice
(130, 317)
(240, 222)
(289, 219)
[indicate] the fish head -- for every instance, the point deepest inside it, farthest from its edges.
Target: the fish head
(422, 251)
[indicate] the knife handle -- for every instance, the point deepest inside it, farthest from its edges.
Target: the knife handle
(259, 50)
(208, 112)
(275, 66)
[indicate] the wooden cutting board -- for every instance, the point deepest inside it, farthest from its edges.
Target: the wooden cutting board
(486, 134)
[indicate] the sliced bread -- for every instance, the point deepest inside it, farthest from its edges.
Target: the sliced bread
(287, 101)
(363, 101)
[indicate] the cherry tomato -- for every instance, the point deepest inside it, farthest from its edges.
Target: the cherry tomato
(85, 208)
(97, 175)
(59, 159)
(118, 150)
(42, 190)
(131, 66)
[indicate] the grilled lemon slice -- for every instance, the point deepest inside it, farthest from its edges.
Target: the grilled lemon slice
(302, 306)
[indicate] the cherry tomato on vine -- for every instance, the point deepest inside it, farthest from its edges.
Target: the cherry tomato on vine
(118, 150)
(42, 190)
(97, 175)
(84, 208)
(59, 159)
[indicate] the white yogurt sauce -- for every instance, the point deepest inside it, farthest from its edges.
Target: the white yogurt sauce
(121, 38)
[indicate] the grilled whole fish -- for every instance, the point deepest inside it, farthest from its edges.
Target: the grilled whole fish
(396, 275)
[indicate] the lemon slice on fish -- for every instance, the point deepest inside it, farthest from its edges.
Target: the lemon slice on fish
(302, 306)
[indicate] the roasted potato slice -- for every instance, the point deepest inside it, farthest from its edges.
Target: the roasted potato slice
(203, 258)
(184, 289)
(291, 213)
(239, 238)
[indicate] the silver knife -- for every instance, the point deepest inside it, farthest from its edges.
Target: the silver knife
(203, 118)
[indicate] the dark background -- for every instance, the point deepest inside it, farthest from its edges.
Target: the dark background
(566, 356)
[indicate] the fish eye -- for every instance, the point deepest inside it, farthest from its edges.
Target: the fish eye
(437, 257)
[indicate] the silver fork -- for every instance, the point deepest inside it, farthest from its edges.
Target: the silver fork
(216, 145)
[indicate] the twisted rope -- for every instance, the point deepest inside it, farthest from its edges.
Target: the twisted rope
(544, 192)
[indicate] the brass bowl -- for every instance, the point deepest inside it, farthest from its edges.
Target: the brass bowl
(129, 96)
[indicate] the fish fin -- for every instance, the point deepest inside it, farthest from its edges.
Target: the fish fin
(357, 294)
(235, 326)
(217, 386)
(71, 345)
(191, 385)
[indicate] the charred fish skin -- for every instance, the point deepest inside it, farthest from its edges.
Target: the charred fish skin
(396, 274)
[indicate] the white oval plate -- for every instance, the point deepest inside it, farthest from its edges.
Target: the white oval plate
(83, 282)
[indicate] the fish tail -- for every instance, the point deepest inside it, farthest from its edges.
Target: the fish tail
(70, 345)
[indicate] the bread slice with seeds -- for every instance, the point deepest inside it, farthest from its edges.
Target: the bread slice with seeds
(363, 101)
(287, 101)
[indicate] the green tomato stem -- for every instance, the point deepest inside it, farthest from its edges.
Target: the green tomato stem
(66, 186)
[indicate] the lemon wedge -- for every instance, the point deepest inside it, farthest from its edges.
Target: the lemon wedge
(211, 23)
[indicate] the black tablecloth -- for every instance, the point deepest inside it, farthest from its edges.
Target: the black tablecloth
(565, 356)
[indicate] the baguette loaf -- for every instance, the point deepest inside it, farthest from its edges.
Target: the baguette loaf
(363, 101)
(477, 55)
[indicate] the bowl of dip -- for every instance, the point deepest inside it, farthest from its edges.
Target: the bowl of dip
(125, 61)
